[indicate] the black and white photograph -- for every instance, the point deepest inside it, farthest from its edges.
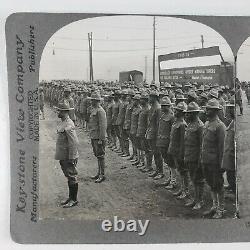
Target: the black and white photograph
(137, 121)
(128, 128)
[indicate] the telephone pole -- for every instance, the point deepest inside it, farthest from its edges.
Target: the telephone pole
(154, 50)
(91, 74)
(146, 68)
(202, 41)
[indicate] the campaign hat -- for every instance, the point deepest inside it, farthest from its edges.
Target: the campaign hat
(193, 107)
(63, 106)
(165, 101)
(213, 104)
(181, 106)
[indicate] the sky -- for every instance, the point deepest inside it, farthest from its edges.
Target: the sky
(122, 43)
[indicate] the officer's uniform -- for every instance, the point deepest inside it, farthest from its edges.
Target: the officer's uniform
(66, 148)
(67, 154)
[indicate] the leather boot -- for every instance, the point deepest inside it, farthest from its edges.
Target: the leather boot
(70, 195)
(213, 209)
(101, 177)
(94, 177)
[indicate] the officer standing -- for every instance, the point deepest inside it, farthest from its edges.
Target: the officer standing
(211, 157)
(67, 152)
(97, 133)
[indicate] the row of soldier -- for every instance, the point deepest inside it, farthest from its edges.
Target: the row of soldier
(189, 132)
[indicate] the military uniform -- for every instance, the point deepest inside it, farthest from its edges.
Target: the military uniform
(115, 112)
(120, 122)
(126, 127)
(212, 153)
(110, 131)
(141, 128)
(163, 136)
(192, 144)
(134, 125)
(67, 154)
(151, 136)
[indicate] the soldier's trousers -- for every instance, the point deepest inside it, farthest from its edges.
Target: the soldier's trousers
(214, 177)
(98, 149)
(151, 151)
(69, 170)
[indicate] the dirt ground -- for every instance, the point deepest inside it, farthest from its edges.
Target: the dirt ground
(126, 193)
(243, 159)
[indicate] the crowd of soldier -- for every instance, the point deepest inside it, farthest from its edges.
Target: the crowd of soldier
(188, 130)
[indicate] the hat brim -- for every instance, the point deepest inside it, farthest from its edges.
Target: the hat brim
(97, 99)
(230, 105)
(165, 104)
(212, 107)
(60, 109)
(179, 109)
(194, 111)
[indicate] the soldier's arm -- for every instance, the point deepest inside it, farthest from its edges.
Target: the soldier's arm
(221, 132)
(72, 142)
(102, 122)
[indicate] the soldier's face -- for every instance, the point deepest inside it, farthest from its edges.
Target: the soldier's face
(178, 113)
(66, 94)
(143, 102)
(190, 117)
(94, 103)
(61, 114)
(210, 113)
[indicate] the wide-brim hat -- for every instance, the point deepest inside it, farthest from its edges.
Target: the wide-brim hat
(193, 107)
(154, 93)
(64, 106)
(181, 106)
(165, 101)
(213, 104)
(96, 96)
(137, 97)
(180, 97)
(67, 90)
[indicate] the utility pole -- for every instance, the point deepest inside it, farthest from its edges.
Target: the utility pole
(154, 50)
(91, 74)
(202, 41)
(146, 68)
